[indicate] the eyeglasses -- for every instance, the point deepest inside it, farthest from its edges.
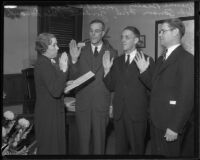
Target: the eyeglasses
(163, 31)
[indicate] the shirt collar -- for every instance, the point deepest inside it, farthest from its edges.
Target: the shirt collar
(98, 47)
(132, 55)
(171, 49)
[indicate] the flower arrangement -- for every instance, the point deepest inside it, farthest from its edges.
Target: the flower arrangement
(17, 135)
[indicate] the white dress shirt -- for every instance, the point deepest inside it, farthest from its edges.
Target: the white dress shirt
(132, 56)
(171, 49)
(98, 47)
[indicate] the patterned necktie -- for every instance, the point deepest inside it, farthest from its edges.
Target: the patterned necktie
(96, 52)
(164, 55)
(127, 60)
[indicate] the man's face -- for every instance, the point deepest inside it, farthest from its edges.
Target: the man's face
(52, 49)
(166, 35)
(96, 33)
(129, 40)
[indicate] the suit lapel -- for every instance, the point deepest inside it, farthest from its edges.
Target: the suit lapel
(88, 54)
(98, 61)
(170, 60)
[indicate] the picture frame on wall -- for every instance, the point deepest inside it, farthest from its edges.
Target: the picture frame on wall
(187, 40)
(142, 41)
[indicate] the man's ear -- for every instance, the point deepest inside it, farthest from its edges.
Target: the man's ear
(136, 40)
(103, 33)
(175, 31)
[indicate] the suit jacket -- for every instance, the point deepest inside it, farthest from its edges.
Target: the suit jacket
(130, 93)
(94, 93)
(172, 90)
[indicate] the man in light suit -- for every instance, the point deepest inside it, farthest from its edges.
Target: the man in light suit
(172, 90)
(93, 98)
(130, 103)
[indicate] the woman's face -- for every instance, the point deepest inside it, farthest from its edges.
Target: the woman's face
(52, 49)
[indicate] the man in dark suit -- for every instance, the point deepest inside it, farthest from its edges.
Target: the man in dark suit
(92, 99)
(172, 90)
(130, 103)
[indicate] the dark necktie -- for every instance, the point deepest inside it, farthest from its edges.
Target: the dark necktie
(96, 52)
(127, 60)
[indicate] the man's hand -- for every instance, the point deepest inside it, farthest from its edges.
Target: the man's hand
(140, 61)
(107, 62)
(74, 51)
(170, 135)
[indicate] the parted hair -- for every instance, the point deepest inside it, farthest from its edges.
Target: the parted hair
(98, 21)
(43, 41)
(136, 32)
(176, 23)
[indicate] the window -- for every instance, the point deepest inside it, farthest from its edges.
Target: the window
(65, 22)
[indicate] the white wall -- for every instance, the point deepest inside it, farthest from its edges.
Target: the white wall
(19, 39)
(142, 16)
(20, 33)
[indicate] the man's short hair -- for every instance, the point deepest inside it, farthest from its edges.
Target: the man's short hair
(98, 21)
(135, 31)
(176, 23)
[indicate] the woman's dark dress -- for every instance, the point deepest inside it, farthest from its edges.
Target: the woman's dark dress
(49, 109)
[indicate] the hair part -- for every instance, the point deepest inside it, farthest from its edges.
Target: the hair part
(98, 21)
(176, 23)
(43, 41)
(136, 32)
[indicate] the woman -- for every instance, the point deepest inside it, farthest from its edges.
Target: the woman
(50, 81)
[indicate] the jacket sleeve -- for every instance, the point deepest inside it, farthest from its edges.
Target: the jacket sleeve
(185, 102)
(74, 71)
(110, 78)
(146, 76)
(54, 79)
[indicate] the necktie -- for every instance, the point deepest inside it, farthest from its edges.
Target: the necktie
(96, 52)
(127, 60)
(164, 55)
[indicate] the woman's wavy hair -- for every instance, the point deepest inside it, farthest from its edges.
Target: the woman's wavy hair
(43, 41)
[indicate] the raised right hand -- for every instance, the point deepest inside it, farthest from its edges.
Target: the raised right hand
(107, 62)
(63, 62)
(74, 50)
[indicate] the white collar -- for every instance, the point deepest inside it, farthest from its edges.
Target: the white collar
(132, 55)
(98, 47)
(171, 49)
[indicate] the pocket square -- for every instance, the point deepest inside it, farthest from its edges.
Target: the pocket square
(172, 102)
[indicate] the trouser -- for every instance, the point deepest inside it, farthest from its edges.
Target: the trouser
(129, 136)
(91, 127)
